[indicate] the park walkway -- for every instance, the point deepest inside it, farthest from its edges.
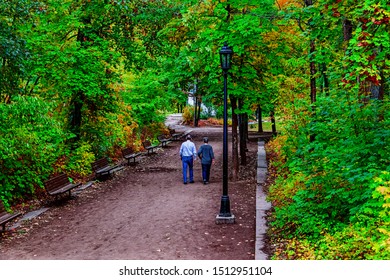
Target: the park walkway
(145, 212)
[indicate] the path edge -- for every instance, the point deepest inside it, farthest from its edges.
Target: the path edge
(261, 203)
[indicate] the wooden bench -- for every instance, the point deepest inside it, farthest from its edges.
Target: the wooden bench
(102, 167)
(174, 136)
(148, 146)
(129, 154)
(59, 184)
(164, 141)
(5, 217)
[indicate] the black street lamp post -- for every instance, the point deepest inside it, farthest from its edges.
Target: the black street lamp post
(225, 216)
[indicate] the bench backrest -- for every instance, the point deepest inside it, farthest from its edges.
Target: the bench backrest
(56, 182)
(146, 143)
(100, 163)
(127, 151)
(161, 137)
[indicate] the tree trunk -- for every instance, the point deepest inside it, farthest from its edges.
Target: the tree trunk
(242, 120)
(236, 167)
(198, 116)
(313, 71)
(260, 119)
(77, 102)
(382, 86)
(325, 79)
(347, 29)
(76, 115)
(273, 123)
(195, 111)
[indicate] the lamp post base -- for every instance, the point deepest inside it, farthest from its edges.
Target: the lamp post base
(225, 220)
(225, 216)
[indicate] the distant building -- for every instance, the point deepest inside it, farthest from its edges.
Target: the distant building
(205, 110)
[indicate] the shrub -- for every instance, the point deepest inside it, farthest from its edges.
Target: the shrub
(79, 161)
(31, 141)
(188, 114)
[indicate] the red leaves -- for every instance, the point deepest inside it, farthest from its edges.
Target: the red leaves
(367, 76)
(372, 57)
(362, 44)
(345, 81)
(364, 76)
(362, 38)
(336, 13)
(373, 79)
(384, 20)
(364, 35)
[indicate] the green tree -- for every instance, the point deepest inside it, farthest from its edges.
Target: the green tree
(13, 51)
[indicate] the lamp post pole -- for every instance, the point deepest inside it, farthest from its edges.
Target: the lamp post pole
(225, 216)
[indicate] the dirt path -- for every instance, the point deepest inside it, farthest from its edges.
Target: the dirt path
(145, 212)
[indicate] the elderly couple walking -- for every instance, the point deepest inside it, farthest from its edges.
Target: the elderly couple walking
(188, 154)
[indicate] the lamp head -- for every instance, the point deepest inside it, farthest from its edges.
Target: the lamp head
(226, 57)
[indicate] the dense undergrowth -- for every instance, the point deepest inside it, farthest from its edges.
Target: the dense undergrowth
(331, 197)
